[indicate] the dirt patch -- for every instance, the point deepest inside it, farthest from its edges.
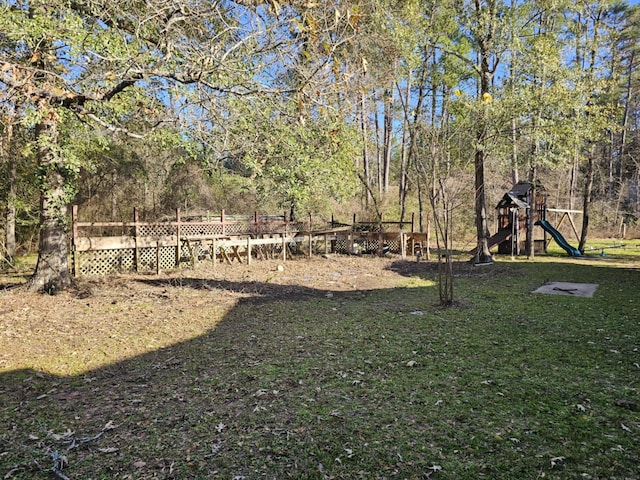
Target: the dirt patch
(127, 315)
(105, 320)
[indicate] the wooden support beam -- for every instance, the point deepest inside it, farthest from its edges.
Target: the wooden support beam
(136, 233)
(74, 240)
(158, 257)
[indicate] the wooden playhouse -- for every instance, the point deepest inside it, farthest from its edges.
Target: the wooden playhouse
(513, 219)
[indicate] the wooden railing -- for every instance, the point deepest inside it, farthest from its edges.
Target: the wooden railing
(100, 248)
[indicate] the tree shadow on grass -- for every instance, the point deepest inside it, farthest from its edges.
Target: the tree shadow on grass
(256, 292)
(235, 402)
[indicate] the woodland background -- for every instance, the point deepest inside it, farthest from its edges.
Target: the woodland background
(376, 107)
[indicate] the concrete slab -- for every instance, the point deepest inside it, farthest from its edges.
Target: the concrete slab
(568, 288)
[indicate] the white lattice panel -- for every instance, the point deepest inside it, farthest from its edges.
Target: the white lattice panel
(210, 229)
(156, 230)
(104, 262)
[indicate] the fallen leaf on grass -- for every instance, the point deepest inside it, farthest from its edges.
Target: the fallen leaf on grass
(109, 426)
(108, 450)
(61, 436)
(220, 427)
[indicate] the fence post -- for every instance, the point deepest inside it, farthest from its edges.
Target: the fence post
(214, 252)
(310, 237)
(74, 236)
(286, 222)
(249, 250)
(222, 221)
(178, 234)
(158, 257)
(284, 247)
(135, 238)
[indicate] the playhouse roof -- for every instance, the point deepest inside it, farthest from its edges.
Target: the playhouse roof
(520, 189)
(516, 197)
(510, 200)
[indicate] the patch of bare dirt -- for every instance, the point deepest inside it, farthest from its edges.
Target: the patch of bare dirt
(107, 319)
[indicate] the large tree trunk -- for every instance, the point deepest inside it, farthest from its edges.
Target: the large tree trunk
(483, 255)
(586, 199)
(404, 152)
(389, 102)
(10, 217)
(52, 270)
(366, 163)
(10, 205)
(388, 137)
(488, 14)
(624, 126)
(531, 218)
(515, 177)
(482, 229)
(533, 173)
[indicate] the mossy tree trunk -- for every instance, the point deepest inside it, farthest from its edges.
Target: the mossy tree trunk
(52, 270)
(7, 155)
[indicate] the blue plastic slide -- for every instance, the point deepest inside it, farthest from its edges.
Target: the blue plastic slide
(557, 236)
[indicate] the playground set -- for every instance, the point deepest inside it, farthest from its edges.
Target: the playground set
(513, 222)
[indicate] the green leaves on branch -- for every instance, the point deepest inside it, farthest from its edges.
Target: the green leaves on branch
(299, 164)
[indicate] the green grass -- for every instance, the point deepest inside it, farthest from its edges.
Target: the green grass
(507, 384)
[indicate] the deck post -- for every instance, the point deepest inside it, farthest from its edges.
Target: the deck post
(74, 237)
(136, 233)
(158, 257)
(284, 247)
(178, 234)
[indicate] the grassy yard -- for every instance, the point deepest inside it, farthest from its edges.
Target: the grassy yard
(347, 373)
